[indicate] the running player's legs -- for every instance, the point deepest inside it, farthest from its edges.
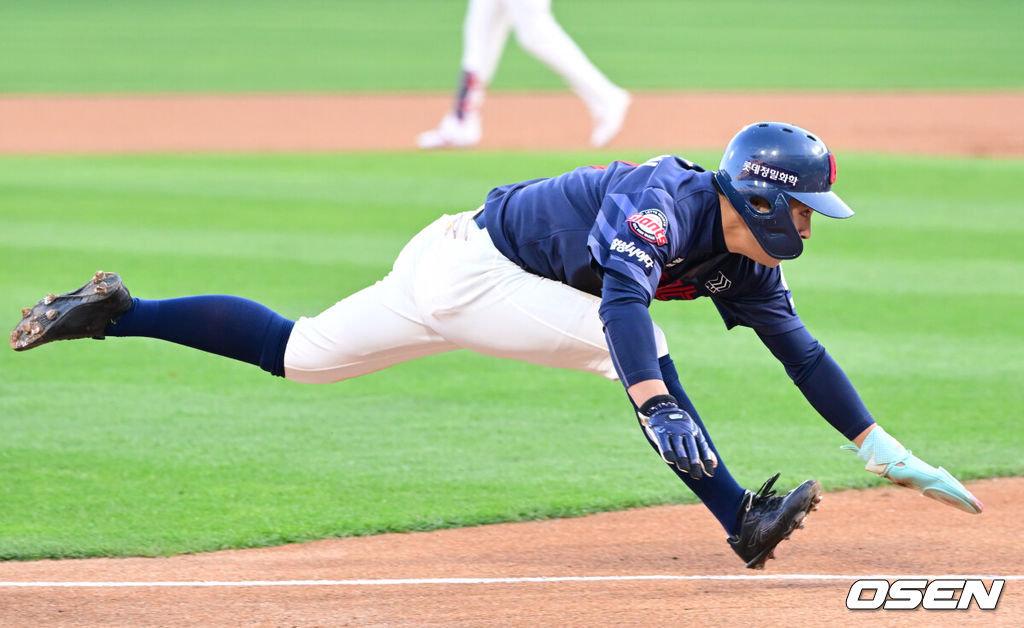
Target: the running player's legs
(542, 36)
(484, 34)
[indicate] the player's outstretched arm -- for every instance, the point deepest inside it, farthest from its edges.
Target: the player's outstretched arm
(827, 388)
(821, 380)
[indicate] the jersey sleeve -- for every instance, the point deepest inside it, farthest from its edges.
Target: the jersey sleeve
(820, 379)
(636, 234)
(628, 330)
(764, 304)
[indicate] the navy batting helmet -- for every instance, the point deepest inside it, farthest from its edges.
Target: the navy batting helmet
(777, 162)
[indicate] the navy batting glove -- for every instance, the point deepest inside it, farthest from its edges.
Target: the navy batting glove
(677, 436)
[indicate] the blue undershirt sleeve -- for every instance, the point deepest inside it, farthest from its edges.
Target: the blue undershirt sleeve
(629, 330)
(820, 379)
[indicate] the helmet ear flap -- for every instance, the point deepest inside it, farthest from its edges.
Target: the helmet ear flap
(769, 221)
(774, 229)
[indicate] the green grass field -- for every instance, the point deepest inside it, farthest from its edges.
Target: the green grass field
(352, 45)
(133, 446)
(136, 447)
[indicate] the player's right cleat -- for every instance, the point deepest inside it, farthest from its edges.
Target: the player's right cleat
(453, 132)
(82, 313)
(767, 520)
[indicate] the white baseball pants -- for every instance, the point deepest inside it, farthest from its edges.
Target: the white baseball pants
(451, 289)
(485, 31)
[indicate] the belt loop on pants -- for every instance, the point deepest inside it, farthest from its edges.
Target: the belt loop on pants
(478, 218)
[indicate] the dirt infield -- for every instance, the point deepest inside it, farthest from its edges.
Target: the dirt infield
(924, 123)
(398, 579)
(653, 566)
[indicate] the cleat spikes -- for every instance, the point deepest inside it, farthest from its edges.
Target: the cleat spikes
(81, 313)
(768, 519)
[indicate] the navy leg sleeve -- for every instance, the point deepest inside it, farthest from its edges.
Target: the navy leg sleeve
(720, 493)
(233, 327)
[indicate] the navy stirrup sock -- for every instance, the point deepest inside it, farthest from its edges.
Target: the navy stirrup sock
(721, 494)
(233, 327)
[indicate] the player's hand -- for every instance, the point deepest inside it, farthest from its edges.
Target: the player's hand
(679, 439)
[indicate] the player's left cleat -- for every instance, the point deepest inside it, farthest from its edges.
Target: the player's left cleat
(767, 520)
(81, 313)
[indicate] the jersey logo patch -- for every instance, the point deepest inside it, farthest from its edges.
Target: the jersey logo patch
(651, 225)
(720, 283)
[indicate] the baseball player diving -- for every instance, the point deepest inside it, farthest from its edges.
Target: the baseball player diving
(560, 272)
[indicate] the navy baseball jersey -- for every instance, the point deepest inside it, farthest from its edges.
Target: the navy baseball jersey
(633, 233)
(656, 225)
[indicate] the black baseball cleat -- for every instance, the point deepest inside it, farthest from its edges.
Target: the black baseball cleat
(83, 313)
(767, 520)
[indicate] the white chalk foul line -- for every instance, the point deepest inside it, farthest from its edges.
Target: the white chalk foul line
(527, 579)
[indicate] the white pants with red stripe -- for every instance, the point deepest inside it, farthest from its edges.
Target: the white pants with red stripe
(451, 289)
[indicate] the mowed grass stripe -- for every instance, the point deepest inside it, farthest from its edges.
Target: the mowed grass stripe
(310, 249)
(306, 45)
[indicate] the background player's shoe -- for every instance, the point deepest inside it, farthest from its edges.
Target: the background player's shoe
(887, 457)
(609, 116)
(767, 520)
(453, 132)
(82, 313)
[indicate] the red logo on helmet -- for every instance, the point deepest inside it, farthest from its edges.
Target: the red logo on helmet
(832, 172)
